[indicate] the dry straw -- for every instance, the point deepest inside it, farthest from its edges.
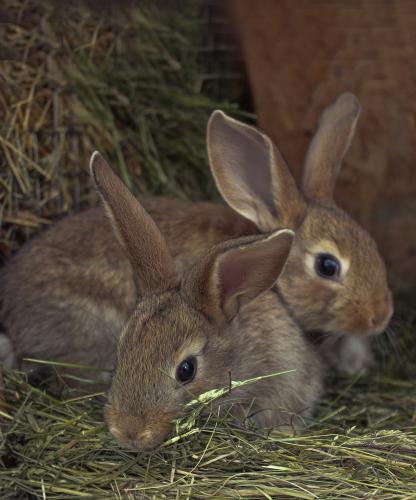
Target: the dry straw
(74, 80)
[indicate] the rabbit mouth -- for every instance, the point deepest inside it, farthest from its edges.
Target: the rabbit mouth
(141, 438)
(139, 432)
(142, 442)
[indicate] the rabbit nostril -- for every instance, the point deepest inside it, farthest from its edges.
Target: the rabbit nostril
(381, 313)
(130, 435)
(379, 317)
(123, 435)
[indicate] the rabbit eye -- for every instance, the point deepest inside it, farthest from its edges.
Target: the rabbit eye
(327, 266)
(186, 370)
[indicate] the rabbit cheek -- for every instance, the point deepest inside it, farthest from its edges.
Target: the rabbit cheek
(296, 293)
(139, 432)
(369, 318)
(354, 323)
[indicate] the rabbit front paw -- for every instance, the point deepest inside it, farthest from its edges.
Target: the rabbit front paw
(7, 357)
(354, 355)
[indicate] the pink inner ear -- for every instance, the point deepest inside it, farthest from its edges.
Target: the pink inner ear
(242, 160)
(244, 272)
(233, 272)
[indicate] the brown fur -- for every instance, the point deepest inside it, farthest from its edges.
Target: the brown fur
(260, 340)
(328, 148)
(363, 296)
(68, 292)
(73, 310)
(252, 336)
(225, 319)
(358, 303)
(251, 174)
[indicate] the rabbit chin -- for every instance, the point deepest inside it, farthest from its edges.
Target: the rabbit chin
(351, 319)
(337, 334)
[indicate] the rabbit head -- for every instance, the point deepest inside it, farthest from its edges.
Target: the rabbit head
(335, 280)
(175, 345)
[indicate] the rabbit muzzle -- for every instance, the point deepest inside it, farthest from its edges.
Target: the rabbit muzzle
(382, 311)
(138, 432)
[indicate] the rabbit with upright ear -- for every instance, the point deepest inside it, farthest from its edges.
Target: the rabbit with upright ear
(335, 282)
(73, 283)
(187, 335)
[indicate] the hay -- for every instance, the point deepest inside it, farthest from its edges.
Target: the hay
(361, 444)
(74, 81)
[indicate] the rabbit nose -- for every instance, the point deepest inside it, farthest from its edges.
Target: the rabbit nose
(377, 319)
(146, 439)
(140, 432)
(382, 313)
(130, 437)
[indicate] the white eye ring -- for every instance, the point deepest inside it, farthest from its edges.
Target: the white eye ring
(326, 247)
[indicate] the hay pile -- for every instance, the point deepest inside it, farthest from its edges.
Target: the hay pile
(361, 444)
(76, 80)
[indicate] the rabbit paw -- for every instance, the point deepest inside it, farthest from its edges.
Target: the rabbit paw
(354, 355)
(7, 357)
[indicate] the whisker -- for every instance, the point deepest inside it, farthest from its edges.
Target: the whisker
(398, 348)
(382, 350)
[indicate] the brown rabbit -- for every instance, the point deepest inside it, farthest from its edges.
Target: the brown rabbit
(335, 280)
(74, 281)
(187, 334)
(335, 286)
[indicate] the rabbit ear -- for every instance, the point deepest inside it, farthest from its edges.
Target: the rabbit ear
(329, 145)
(252, 175)
(145, 246)
(235, 273)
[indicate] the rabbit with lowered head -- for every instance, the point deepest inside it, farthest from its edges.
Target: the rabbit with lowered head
(188, 334)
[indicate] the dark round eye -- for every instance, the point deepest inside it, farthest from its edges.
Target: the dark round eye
(327, 266)
(186, 370)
